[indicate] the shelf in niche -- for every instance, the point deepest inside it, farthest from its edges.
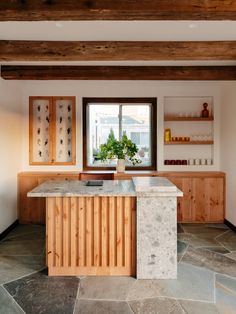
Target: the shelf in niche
(189, 143)
(175, 118)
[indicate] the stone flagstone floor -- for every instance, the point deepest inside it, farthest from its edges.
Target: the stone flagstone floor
(206, 281)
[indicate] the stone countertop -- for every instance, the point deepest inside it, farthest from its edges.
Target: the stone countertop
(155, 185)
(137, 186)
(79, 188)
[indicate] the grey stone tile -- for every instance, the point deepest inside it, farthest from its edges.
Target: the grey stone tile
(180, 229)
(228, 240)
(181, 247)
(39, 293)
(217, 249)
(26, 237)
(222, 226)
(25, 229)
(143, 289)
(198, 240)
(232, 255)
(26, 247)
(196, 307)
(157, 306)
(192, 283)
(225, 294)
(107, 288)
(197, 229)
(7, 304)
(14, 267)
(101, 307)
(204, 228)
(210, 260)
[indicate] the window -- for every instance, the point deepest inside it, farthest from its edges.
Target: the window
(134, 116)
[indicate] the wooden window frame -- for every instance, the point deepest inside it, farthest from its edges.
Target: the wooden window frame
(52, 131)
(153, 130)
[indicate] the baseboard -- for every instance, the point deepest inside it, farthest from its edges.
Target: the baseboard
(231, 226)
(9, 229)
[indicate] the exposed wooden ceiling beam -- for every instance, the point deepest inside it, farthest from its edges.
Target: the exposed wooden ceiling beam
(38, 10)
(116, 50)
(118, 72)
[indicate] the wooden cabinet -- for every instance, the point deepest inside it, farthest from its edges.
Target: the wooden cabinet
(207, 199)
(203, 200)
(96, 176)
(204, 194)
(183, 203)
(52, 131)
(32, 209)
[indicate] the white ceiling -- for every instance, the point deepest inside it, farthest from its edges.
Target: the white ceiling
(123, 31)
(119, 30)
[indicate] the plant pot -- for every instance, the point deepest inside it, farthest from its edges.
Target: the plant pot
(120, 166)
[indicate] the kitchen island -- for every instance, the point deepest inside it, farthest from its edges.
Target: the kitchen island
(121, 228)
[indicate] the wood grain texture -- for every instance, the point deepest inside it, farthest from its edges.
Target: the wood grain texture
(96, 220)
(184, 212)
(208, 199)
(37, 10)
(33, 209)
(52, 160)
(21, 50)
(199, 73)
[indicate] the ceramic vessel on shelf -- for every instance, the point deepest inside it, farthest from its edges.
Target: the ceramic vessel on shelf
(120, 167)
(205, 111)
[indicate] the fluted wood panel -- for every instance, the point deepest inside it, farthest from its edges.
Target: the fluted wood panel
(91, 235)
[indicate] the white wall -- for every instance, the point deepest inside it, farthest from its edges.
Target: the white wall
(10, 150)
(228, 147)
(14, 159)
(81, 89)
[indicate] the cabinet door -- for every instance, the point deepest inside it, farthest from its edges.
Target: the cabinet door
(184, 213)
(40, 131)
(64, 129)
(26, 205)
(52, 131)
(208, 199)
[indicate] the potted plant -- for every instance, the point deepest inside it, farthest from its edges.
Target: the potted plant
(123, 150)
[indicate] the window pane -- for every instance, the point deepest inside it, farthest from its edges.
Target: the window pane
(102, 118)
(136, 123)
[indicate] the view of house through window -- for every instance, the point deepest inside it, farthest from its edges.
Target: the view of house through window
(133, 119)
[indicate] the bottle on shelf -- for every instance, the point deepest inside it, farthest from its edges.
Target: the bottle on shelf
(167, 137)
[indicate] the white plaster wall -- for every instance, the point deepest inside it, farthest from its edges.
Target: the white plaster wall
(81, 89)
(10, 150)
(228, 147)
(14, 127)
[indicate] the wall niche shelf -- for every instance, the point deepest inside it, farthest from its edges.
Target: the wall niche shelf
(174, 118)
(189, 143)
(191, 136)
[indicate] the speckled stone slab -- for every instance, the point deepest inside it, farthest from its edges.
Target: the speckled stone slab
(153, 184)
(75, 188)
(156, 238)
(156, 228)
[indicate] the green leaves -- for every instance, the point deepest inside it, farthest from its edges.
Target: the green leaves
(120, 149)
